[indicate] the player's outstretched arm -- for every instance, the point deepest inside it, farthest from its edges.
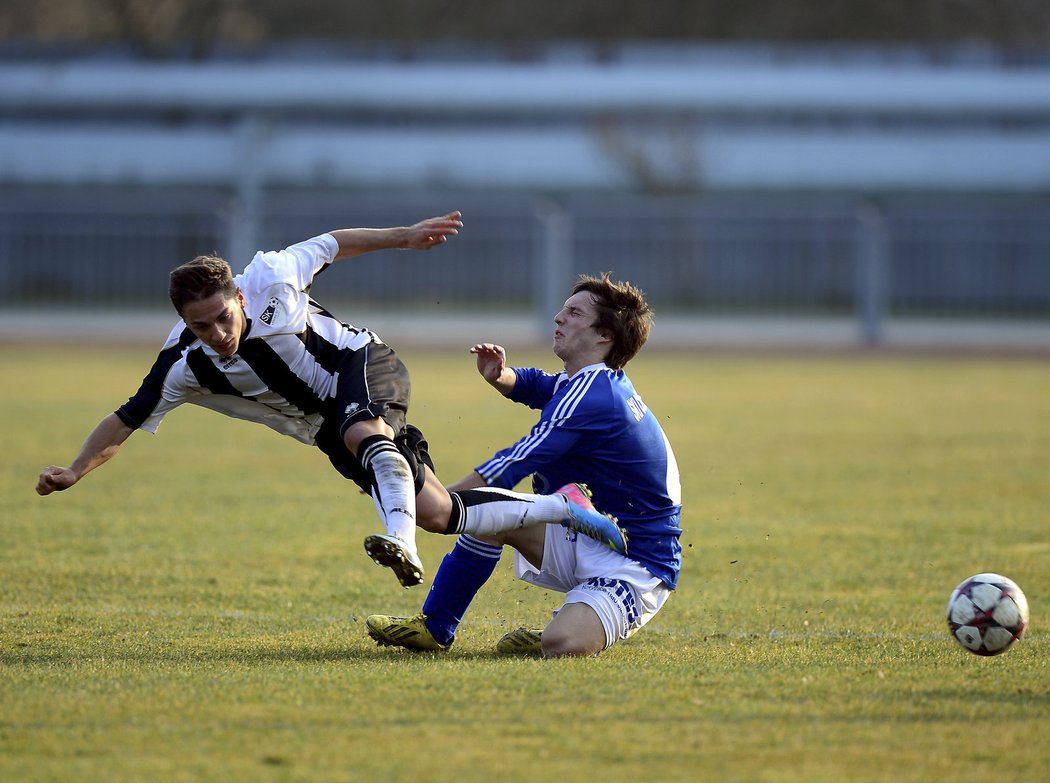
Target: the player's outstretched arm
(421, 236)
(101, 445)
(492, 364)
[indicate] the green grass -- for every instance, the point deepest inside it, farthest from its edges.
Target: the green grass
(194, 610)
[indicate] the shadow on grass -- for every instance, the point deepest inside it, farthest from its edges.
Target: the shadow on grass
(241, 653)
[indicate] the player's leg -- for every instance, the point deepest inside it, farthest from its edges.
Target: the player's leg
(394, 494)
(393, 485)
(461, 575)
(486, 511)
(434, 505)
(608, 598)
(490, 511)
(372, 399)
(575, 630)
(465, 570)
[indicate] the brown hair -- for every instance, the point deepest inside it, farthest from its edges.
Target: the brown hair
(201, 278)
(623, 314)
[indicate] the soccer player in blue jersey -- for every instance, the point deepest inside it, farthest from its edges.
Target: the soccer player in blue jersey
(258, 347)
(594, 430)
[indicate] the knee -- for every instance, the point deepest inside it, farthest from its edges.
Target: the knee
(359, 431)
(432, 523)
(433, 513)
(576, 630)
(561, 645)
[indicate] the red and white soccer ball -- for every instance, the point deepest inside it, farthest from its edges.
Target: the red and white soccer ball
(987, 613)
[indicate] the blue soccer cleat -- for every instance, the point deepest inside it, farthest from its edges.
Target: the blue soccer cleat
(585, 518)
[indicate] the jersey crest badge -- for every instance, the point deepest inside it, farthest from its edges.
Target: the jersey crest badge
(274, 315)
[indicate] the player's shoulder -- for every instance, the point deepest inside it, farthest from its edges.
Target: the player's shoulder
(591, 388)
(295, 263)
(609, 393)
(276, 308)
(179, 338)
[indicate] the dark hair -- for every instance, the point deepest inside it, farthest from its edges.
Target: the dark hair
(201, 278)
(623, 314)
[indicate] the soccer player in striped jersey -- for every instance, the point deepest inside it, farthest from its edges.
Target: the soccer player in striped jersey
(594, 429)
(256, 346)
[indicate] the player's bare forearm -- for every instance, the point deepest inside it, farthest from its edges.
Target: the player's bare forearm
(420, 236)
(101, 445)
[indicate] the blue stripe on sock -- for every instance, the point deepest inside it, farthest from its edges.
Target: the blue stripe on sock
(480, 547)
(462, 574)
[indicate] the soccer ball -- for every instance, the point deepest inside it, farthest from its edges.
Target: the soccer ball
(987, 613)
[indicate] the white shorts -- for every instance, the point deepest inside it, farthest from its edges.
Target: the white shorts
(623, 593)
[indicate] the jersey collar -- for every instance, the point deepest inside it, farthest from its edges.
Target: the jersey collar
(590, 368)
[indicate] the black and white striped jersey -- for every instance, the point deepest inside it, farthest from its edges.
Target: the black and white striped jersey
(284, 372)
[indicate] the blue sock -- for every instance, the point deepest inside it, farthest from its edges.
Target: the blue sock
(459, 577)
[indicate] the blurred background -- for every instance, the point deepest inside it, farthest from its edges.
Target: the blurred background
(857, 173)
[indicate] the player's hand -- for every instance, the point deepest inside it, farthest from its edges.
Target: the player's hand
(433, 231)
(55, 479)
(492, 360)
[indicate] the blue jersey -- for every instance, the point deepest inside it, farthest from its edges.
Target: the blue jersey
(594, 429)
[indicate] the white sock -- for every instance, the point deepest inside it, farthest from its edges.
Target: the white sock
(394, 494)
(488, 510)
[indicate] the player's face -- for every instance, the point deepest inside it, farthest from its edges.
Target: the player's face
(217, 321)
(575, 338)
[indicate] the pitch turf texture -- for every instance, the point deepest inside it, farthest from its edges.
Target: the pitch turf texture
(194, 611)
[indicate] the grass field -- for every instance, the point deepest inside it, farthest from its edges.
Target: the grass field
(194, 610)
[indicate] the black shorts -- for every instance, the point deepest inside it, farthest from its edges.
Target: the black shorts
(373, 383)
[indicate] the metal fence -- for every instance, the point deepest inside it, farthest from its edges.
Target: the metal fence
(691, 255)
(878, 186)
